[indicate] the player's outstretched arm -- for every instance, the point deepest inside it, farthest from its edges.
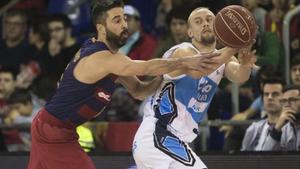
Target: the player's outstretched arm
(123, 66)
(225, 54)
(137, 88)
(239, 70)
(100, 64)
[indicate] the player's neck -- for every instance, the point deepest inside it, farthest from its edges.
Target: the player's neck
(205, 48)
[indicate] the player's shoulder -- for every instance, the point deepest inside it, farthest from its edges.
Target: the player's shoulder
(184, 49)
(104, 55)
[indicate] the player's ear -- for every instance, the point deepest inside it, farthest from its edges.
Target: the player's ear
(100, 29)
(190, 33)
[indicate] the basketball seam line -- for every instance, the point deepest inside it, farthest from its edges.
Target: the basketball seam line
(233, 31)
(223, 41)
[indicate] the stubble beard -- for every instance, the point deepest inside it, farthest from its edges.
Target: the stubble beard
(115, 40)
(208, 40)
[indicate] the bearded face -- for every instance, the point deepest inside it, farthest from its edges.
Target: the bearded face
(208, 38)
(117, 40)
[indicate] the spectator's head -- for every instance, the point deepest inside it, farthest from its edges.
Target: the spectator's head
(264, 73)
(38, 31)
(200, 28)
(250, 4)
(20, 100)
(15, 25)
(133, 19)
(60, 27)
(110, 21)
(177, 22)
(290, 96)
(272, 92)
(295, 70)
(7, 81)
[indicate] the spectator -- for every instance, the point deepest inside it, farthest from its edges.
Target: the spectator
(140, 45)
(258, 13)
(7, 86)
(39, 38)
(21, 111)
(256, 134)
(14, 48)
(256, 109)
(62, 46)
(274, 19)
(295, 70)
(21, 107)
(177, 30)
(165, 6)
(285, 134)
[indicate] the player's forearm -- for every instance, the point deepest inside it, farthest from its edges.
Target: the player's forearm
(156, 67)
(227, 53)
(236, 72)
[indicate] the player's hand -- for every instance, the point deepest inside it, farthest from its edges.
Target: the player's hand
(205, 63)
(247, 58)
(287, 114)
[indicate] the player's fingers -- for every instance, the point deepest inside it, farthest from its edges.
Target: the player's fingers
(210, 55)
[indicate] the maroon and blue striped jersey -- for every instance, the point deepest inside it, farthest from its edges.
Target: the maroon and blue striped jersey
(78, 102)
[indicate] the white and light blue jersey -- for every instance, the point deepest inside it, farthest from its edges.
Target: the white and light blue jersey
(181, 102)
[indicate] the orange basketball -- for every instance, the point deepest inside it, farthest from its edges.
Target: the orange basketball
(235, 26)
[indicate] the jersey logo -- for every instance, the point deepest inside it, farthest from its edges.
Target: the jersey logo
(204, 88)
(197, 106)
(104, 96)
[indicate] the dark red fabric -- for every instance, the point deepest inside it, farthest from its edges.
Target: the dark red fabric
(54, 147)
(144, 48)
(119, 136)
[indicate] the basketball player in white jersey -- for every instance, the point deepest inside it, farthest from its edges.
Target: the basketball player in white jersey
(172, 114)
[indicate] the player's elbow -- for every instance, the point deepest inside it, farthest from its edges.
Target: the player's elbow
(240, 79)
(237, 76)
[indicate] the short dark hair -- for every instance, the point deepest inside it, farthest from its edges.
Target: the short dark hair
(20, 96)
(178, 13)
(291, 87)
(100, 7)
(61, 18)
(39, 26)
(10, 69)
(273, 80)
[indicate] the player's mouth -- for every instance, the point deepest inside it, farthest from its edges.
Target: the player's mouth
(206, 30)
(125, 34)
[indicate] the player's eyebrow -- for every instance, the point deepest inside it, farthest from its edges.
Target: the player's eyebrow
(116, 17)
(197, 17)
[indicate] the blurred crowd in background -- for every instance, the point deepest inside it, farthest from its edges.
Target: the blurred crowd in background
(40, 37)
